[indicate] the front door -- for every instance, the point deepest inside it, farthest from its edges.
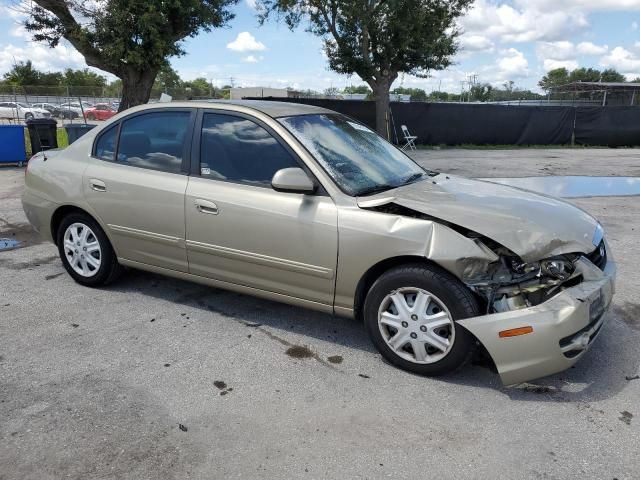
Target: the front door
(136, 182)
(240, 230)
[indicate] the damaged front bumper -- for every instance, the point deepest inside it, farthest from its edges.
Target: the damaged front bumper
(563, 327)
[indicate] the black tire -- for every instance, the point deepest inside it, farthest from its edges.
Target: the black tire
(457, 299)
(109, 269)
(28, 116)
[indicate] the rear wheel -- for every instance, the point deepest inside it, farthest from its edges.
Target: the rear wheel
(410, 314)
(85, 251)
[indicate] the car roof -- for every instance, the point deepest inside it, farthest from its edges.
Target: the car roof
(271, 108)
(280, 109)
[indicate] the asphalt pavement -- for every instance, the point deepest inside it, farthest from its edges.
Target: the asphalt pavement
(157, 378)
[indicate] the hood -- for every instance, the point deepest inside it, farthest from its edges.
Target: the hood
(531, 225)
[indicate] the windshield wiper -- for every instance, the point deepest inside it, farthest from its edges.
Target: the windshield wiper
(376, 189)
(413, 178)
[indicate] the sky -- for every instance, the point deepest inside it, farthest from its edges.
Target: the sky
(517, 40)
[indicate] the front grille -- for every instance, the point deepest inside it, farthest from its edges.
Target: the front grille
(599, 256)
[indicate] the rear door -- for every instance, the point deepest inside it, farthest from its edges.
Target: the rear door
(240, 230)
(136, 182)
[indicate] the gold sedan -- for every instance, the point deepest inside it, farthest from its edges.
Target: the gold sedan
(305, 206)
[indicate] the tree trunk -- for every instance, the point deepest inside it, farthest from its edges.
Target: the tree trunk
(381, 95)
(136, 87)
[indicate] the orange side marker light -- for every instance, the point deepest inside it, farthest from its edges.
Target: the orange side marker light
(515, 332)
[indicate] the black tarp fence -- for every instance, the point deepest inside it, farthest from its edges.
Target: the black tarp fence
(485, 124)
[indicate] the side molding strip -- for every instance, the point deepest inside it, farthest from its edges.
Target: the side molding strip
(258, 259)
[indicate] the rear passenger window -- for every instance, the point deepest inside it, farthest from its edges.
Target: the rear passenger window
(154, 140)
(238, 150)
(106, 144)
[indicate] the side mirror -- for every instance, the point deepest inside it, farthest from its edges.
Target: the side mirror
(292, 180)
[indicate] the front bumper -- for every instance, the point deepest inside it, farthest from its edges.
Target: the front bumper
(564, 327)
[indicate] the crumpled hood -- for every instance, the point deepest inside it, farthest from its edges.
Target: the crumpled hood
(532, 225)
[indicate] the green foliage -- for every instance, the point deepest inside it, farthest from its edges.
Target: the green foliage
(199, 87)
(23, 73)
(167, 78)
(84, 78)
(331, 92)
(416, 94)
(561, 76)
(359, 89)
(132, 39)
(378, 39)
(440, 96)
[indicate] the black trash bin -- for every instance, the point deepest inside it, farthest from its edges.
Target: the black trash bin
(42, 133)
(76, 130)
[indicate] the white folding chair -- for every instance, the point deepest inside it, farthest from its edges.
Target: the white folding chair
(409, 139)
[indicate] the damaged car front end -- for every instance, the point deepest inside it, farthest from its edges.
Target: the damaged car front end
(540, 267)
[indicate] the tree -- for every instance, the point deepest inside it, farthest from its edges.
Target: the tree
(168, 78)
(360, 89)
(416, 94)
(554, 78)
(439, 96)
(378, 39)
(584, 75)
(611, 75)
(199, 87)
(23, 73)
(481, 92)
(331, 92)
(85, 78)
(131, 39)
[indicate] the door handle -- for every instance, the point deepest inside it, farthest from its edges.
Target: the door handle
(98, 185)
(205, 206)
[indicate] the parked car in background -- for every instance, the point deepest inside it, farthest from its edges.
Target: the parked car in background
(49, 107)
(259, 198)
(100, 111)
(21, 111)
(72, 109)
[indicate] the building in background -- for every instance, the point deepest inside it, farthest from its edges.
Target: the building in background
(262, 92)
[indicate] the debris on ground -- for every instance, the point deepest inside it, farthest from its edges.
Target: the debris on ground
(626, 417)
(533, 388)
(182, 427)
(335, 359)
(299, 351)
(629, 377)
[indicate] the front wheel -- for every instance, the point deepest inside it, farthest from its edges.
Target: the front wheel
(410, 314)
(85, 251)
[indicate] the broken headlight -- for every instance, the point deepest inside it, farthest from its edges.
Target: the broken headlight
(557, 268)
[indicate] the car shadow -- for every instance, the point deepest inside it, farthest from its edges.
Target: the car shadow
(599, 375)
(250, 311)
